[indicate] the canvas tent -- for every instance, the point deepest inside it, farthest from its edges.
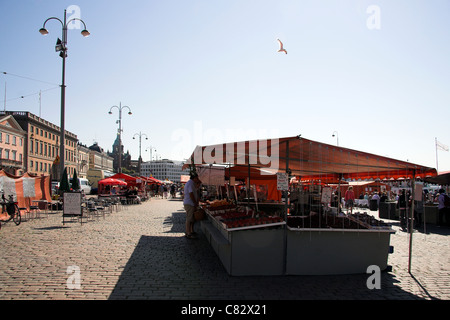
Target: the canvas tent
(25, 188)
(443, 179)
(257, 177)
(308, 159)
(131, 181)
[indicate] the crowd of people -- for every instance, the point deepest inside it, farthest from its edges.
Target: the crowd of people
(403, 199)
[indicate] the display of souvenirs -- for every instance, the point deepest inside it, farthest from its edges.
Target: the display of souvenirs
(219, 205)
(352, 221)
(368, 220)
(324, 221)
(244, 217)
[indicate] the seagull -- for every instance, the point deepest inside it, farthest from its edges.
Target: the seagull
(281, 47)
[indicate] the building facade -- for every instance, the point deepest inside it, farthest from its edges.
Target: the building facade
(116, 153)
(41, 148)
(12, 146)
(164, 169)
(82, 160)
(100, 160)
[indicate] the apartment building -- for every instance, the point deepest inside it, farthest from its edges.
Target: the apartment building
(12, 145)
(163, 169)
(41, 146)
(99, 159)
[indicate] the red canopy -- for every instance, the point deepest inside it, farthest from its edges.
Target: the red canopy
(131, 181)
(113, 182)
(154, 180)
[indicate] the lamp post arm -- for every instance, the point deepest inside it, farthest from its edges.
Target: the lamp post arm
(76, 19)
(52, 18)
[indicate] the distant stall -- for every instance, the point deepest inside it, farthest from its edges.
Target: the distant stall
(26, 188)
(106, 185)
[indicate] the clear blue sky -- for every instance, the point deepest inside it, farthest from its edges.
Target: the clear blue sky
(208, 71)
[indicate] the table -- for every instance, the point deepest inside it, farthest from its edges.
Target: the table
(38, 206)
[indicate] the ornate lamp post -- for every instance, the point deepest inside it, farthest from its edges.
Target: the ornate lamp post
(61, 46)
(140, 134)
(119, 132)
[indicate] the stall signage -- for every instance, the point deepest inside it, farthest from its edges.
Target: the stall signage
(72, 204)
(326, 195)
(282, 181)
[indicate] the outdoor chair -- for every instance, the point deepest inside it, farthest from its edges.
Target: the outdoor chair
(34, 210)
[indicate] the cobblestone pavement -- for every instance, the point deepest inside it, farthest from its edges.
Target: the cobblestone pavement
(140, 252)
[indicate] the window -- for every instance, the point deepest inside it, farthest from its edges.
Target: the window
(1, 153)
(6, 154)
(36, 150)
(0, 137)
(7, 138)
(14, 155)
(14, 142)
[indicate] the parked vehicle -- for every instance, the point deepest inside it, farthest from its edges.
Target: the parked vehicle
(84, 185)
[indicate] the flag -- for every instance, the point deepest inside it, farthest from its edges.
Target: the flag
(441, 146)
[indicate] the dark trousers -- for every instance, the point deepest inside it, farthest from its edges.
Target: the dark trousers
(443, 217)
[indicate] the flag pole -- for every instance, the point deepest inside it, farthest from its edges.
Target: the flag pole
(435, 143)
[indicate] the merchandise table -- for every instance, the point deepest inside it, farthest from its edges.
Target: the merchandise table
(247, 250)
(282, 248)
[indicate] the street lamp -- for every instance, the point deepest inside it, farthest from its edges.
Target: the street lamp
(119, 132)
(151, 150)
(61, 46)
(337, 137)
(140, 134)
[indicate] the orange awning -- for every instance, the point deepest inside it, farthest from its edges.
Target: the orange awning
(307, 158)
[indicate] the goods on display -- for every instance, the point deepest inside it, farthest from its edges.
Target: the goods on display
(231, 216)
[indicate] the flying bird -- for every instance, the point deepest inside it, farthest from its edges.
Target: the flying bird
(281, 47)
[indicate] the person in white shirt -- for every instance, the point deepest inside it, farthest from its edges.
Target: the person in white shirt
(190, 203)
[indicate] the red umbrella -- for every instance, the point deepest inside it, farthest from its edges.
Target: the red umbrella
(112, 182)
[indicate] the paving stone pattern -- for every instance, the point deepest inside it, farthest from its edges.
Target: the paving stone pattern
(140, 252)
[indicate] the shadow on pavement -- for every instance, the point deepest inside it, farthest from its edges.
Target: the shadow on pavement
(176, 268)
(176, 221)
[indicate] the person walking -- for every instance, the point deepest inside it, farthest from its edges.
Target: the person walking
(190, 203)
(401, 206)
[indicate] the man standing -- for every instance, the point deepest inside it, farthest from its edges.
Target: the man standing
(442, 209)
(190, 203)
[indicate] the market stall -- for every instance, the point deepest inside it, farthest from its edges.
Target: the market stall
(246, 242)
(110, 186)
(26, 188)
(306, 248)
